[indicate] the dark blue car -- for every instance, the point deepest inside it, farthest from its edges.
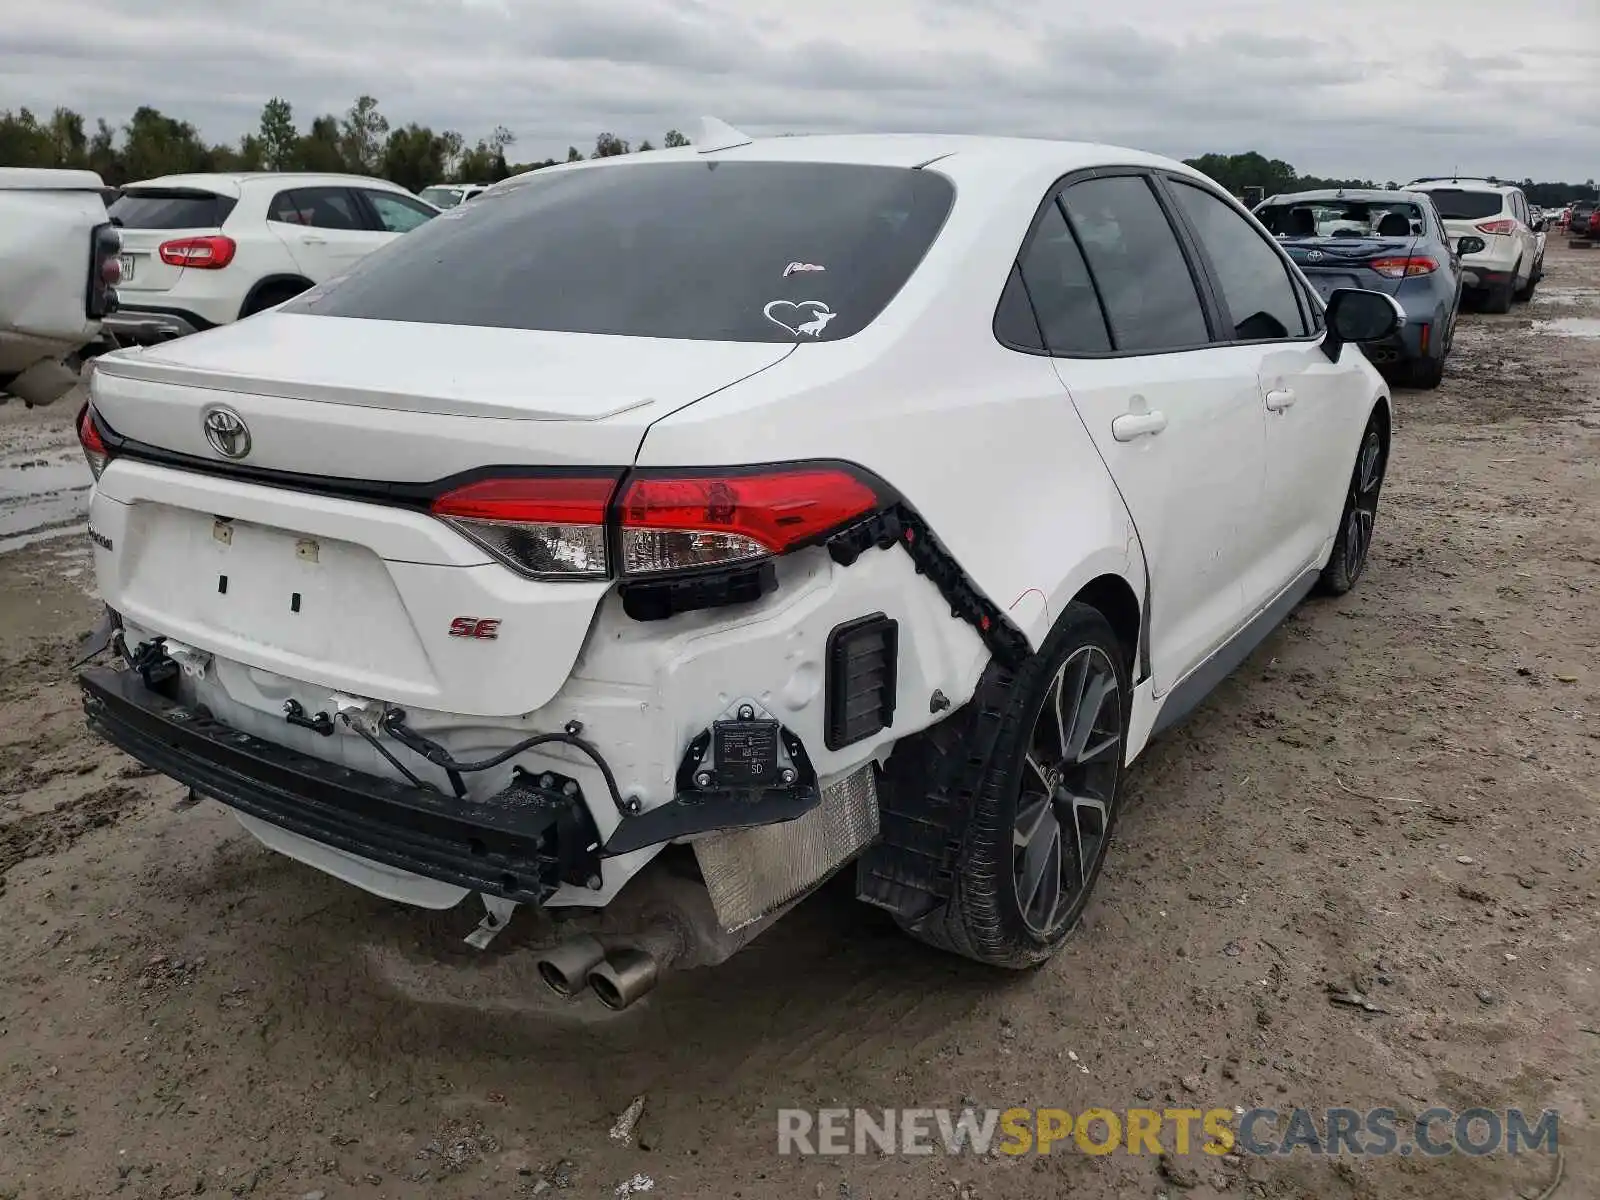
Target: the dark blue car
(1382, 241)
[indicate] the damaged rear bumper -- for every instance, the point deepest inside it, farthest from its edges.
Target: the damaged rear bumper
(520, 845)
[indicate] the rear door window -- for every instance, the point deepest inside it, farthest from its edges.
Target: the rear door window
(176, 208)
(1150, 298)
(1253, 277)
(734, 251)
(327, 208)
(1464, 204)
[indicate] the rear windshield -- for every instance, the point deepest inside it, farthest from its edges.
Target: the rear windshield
(729, 251)
(178, 209)
(1458, 204)
(1340, 218)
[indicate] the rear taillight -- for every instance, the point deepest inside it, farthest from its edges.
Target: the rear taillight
(661, 522)
(1496, 227)
(542, 526)
(682, 520)
(202, 253)
(94, 448)
(105, 271)
(1399, 268)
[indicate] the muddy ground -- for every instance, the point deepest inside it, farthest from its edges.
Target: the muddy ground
(1397, 793)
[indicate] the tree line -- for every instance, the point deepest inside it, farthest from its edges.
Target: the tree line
(362, 141)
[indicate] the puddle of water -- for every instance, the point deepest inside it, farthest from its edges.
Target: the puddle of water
(39, 490)
(1582, 327)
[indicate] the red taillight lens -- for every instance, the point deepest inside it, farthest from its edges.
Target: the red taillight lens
(111, 271)
(94, 449)
(1399, 268)
(683, 520)
(544, 527)
(1496, 227)
(202, 253)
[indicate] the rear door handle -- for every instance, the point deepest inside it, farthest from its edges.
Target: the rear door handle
(1133, 425)
(1280, 398)
(313, 241)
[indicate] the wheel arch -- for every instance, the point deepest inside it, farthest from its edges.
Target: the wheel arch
(1113, 598)
(268, 283)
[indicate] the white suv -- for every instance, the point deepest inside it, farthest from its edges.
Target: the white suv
(1511, 263)
(706, 520)
(205, 250)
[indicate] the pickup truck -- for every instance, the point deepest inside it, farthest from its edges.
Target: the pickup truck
(58, 277)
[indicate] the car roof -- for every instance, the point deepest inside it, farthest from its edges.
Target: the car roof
(51, 179)
(1364, 195)
(969, 158)
(231, 183)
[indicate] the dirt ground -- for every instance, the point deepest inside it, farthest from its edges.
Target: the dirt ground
(1397, 793)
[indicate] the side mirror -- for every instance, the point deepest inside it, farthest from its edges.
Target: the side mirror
(1538, 225)
(1359, 316)
(1470, 245)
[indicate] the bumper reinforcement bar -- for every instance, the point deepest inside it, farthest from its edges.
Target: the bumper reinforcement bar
(520, 844)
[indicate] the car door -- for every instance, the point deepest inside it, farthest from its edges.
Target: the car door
(393, 213)
(1314, 408)
(326, 229)
(1176, 419)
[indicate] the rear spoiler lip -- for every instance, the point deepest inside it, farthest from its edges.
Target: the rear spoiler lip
(139, 369)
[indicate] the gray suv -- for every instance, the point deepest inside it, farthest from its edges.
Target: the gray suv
(1392, 242)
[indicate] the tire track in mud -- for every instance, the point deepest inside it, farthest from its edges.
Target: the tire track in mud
(40, 834)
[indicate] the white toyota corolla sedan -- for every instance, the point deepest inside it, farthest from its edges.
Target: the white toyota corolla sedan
(653, 537)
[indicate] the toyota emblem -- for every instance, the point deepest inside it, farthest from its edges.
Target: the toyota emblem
(226, 431)
(1314, 256)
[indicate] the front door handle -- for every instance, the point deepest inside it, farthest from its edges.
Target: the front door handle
(1280, 398)
(313, 241)
(1133, 425)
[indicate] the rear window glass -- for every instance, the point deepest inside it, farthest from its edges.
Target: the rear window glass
(747, 252)
(1458, 204)
(1341, 218)
(170, 210)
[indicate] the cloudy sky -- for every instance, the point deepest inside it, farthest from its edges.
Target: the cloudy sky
(1379, 88)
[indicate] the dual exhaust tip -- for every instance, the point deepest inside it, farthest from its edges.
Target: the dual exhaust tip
(618, 978)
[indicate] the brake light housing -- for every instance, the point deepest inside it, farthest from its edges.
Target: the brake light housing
(671, 521)
(210, 253)
(1497, 228)
(657, 524)
(94, 446)
(1403, 266)
(542, 526)
(105, 271)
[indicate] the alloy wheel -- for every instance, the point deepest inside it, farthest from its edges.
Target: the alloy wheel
(1363, 505)
(1068, 785)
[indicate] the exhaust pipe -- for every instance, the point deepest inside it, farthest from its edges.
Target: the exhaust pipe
(566, 969)
(624, 976)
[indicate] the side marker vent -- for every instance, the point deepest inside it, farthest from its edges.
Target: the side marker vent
(861, 678)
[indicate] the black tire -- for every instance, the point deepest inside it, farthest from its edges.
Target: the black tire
(1523, 295)
(1498, 299)
(991, 741)
(269, 296)
(1424, 373)
(1353, 541)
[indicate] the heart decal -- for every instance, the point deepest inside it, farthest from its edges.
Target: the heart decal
(803, 318)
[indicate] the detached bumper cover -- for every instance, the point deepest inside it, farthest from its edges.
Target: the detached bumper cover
(521, 850)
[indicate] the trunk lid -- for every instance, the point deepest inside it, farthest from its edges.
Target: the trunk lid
(1346, 262)
(349, 592)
